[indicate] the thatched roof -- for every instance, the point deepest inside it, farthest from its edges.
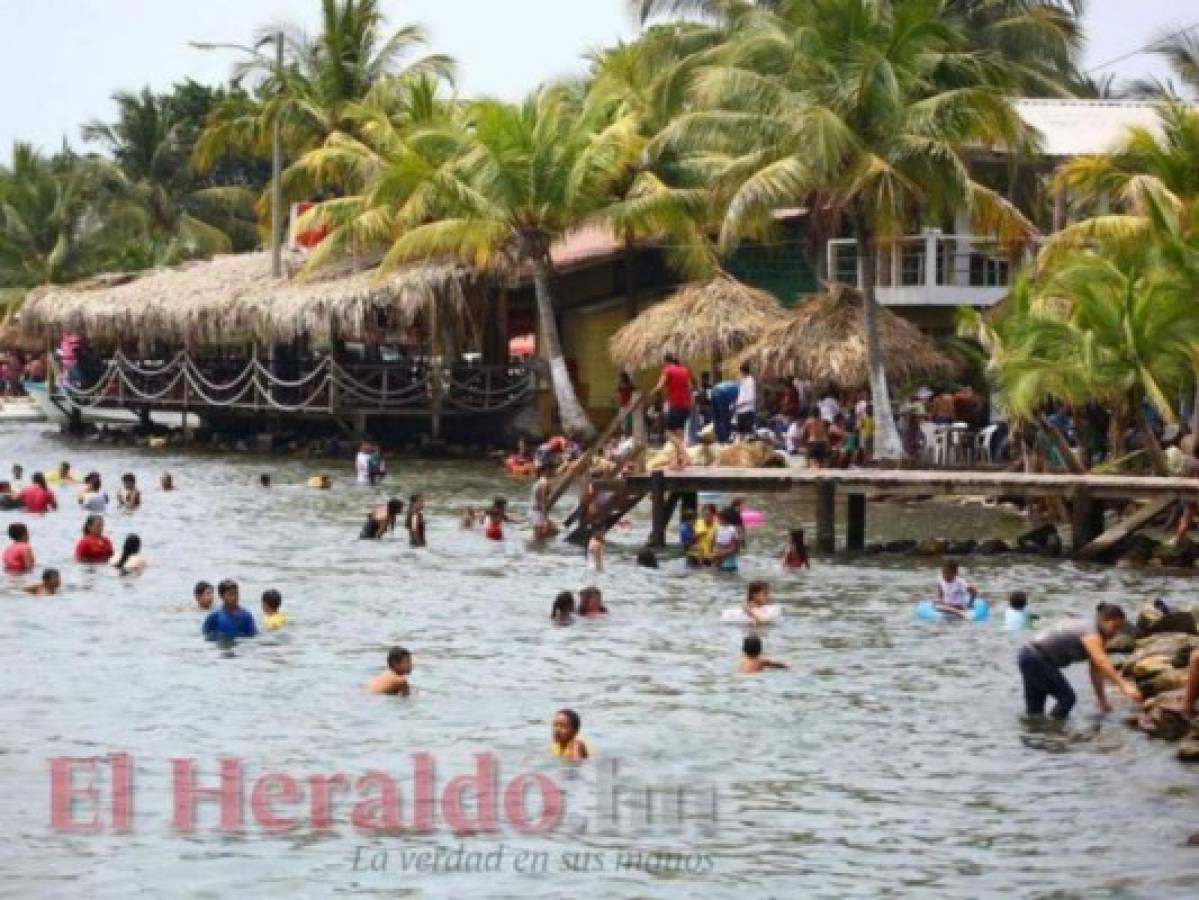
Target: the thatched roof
(229, 300)
(715, 318)
(824, 340)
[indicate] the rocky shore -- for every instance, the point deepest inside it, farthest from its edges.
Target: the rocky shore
(1155, 653)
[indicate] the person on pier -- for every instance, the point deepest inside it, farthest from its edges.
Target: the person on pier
(1042, 659)
(675, 387)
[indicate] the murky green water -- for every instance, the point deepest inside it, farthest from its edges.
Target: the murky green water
(890, 761)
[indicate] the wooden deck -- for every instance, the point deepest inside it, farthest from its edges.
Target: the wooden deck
(917, 482)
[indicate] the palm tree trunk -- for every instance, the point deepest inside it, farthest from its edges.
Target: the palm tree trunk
(570, 410)
(887, 444)
(630, 279)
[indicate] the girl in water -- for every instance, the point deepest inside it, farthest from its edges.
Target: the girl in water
(727, 542)
(595, 550)
(796, 555)
(93, 547)
(591, 603)
(381, 520)
(563, 609)
(131, 561)
(567, 743)
(495, 517)
(91, 497)
(415, 522)
(18, 556)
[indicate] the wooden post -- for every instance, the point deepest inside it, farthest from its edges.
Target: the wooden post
(1086, 520)
(855, 526)
(657, 534)
(435, 369)
(689, 500)
(826, 517)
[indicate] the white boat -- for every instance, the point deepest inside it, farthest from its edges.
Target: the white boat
(57, 407)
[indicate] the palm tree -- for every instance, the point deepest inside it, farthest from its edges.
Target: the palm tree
(151, 145)
(501, 188)
(324, 76)
(844, 98)
(53, 225)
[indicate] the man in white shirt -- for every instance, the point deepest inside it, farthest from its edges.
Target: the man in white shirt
(362, 463)
(829, 408)
(746, 407)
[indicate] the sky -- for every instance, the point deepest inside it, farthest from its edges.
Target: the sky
(60, 60)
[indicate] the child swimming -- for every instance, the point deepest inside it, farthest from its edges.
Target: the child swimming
(757, 595)
(563, 609)
(131, 561)
(381, 520)
(129, 497)
(1017, 616)
(272, 619)
(727, 542)
(954, 595)
(394, 679)
(167, 482)
(204, 594)
(415, 521)
(595, 549)
(91, 497)
(565, 730)
(48, 586)
(796, 555)
(495, 517)
(18, 556)
(591, 603)
(752, 660)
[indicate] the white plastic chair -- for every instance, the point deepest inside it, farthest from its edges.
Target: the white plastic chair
(982, 447)
(936, 443)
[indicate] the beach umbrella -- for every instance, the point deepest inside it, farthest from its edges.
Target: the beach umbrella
(705, 320)
(824, 341)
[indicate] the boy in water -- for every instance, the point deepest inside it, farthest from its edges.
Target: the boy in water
(757, 596)
(230, 621)
(129, 497)
(595, 549)
(752, 659)
(394, 680)
(205, 595)
(272, 619)
(954, 595)
(48, 586)
(567, 743)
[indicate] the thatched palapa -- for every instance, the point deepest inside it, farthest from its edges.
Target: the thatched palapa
(707, 320)
(824, 340)
(230, 300)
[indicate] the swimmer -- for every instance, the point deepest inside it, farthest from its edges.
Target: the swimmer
(495, 517)
(93, 547)
(131, 561)
(415, 522)
(381, 520)
(954, 595)
(18, 556)
(320, 482)
(470, 517)
(796, 555)
(565, 730)
(1017, 616)
(752, 659)
(395, 679)
(37, 497)
(563, 609)
(167, 482)
(757, 595)
(62, 475)
(204, 594)
(272, 619)
(727, 541)
(129, 497)
(18, 475)
(264, 480)
(91, 497)
(595, 549)
(647, 559)
(230, 621)
(539, 508)
(591, 603)
(48, 586)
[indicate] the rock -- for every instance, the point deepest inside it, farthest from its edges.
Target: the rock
(961, 548)
(1149, 667)
(1122, 642)
(1176, 621)
(1146, 617)
(1161, 719)
(993, 547)
(1175, 647)
(1139, 551)
(1188, 751)
(906, 546)
(1167, 680)
(1044, 540)
(874, 549)
(932, 547)
(1176, 555)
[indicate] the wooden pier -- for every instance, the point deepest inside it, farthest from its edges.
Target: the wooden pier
(1087, 494)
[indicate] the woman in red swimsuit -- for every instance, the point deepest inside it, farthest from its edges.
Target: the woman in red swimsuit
(93, 547)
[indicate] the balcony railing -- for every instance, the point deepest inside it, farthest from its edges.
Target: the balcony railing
(932, 269)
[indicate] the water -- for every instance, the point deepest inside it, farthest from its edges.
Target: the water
(890, 761)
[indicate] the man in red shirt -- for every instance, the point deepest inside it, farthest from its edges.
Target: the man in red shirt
(37, 498)
(675, 385)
